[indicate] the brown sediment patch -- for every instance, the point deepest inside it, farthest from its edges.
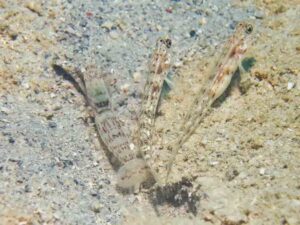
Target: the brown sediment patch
(7, 81)
(26, 41)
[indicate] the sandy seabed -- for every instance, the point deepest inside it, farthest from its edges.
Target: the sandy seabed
(241, 166)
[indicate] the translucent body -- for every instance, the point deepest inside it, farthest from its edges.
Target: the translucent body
(220, 77)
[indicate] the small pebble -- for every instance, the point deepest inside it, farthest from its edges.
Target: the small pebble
(107, 25)
(27, 188)
(262, 171)
(93, 193)
(11, 140)
(215, 8)
(137, 76)
(47, 115)
(56, 107)
(192, 33)
(202, 21)
(169, 10)
(26, 86)
(89, 14)
(96, 207)
(178, 64)
(290, 85)
(214, 163)
(114, 34)
(52, 124)
(259, 15)
(131, 146)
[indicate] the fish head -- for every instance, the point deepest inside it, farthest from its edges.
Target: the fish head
(163, 43)
(161, 57)
(241, 39)
(243, 34)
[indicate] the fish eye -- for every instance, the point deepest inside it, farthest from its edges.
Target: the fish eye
(168, 42)
(249, 28)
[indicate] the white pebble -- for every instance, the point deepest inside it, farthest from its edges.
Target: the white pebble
(52, 95)
(214, 163)
(131, 146)
(262, 171)
(114, 34)
(158, 27)
(26, 86)
(137, 77)
(290, 85)
(203, 21)
(178, 64)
